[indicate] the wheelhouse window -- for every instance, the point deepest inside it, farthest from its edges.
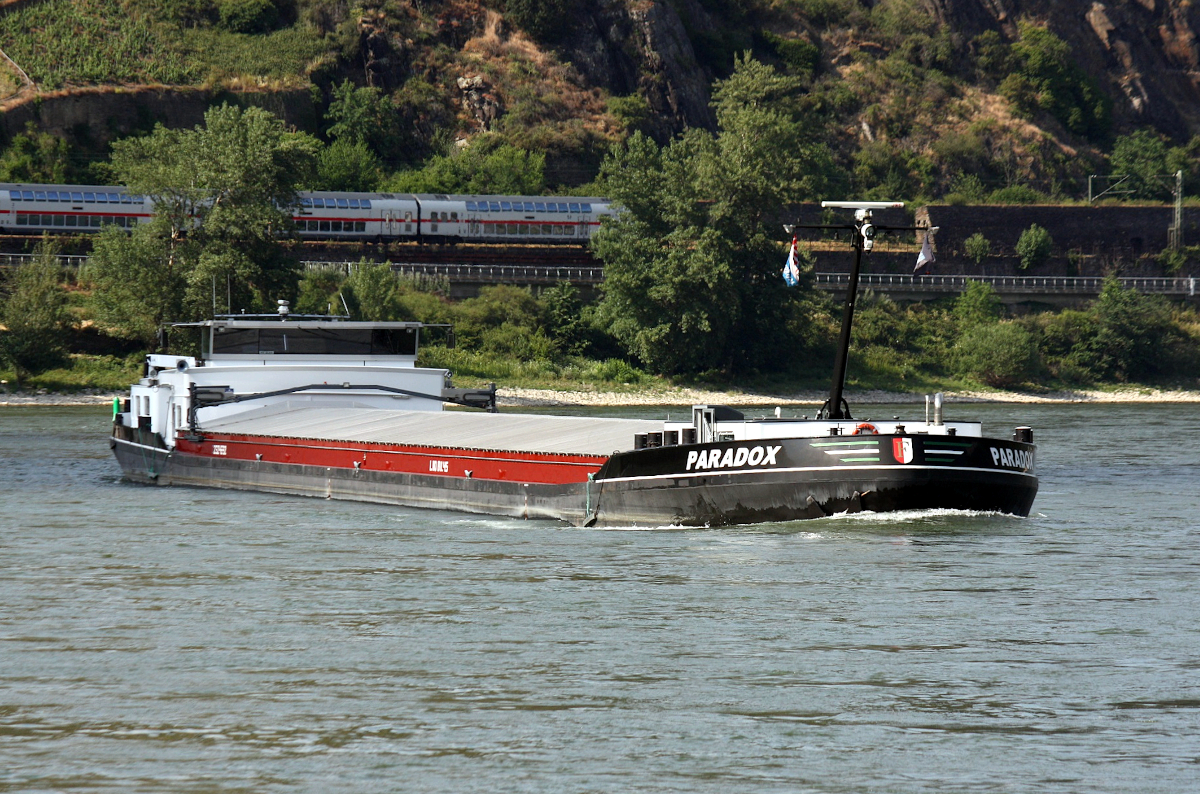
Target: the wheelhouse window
(293, 340)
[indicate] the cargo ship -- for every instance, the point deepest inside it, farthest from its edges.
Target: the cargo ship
(330, 408)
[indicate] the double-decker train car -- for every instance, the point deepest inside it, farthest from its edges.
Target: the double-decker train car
(67, 209)
(329, 215)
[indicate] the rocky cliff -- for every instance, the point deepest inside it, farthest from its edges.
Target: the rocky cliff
(1144, 52)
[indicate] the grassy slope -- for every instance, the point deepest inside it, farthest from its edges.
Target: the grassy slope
(85, 42)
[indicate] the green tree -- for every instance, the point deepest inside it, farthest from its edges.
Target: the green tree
(34, 314)
(35, 156)
(136, 288)
(372, 292)
(1131, 334)
(1034, 246)
(544, 20)
(564, 318)
(317, 293)
(978, 305)
(1142, 155)
(487, 166)
(222, 193)
(347, 165)
(692, 265)
(1040, 73)
(362, 114)
(248, 16)
(998, 354)
(978, 247)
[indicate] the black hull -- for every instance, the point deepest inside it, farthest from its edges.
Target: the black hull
(660, 486)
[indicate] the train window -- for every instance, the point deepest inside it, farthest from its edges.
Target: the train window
(585, 207)
(70, 220)
(547, 228)
(500, 228)
(408, 217)
(558, 229)
(471, 206)
(113, 198)
(364, 204)
(495, 206)
(574, 207)
(305, 202)
(533, 228)
(22, 220)
(41, 196)
(15, 195)
(76, 197)
(514, 228)
(445, 217)
(324, 226)
(505, 206)
(540, 206)
(570, 230)
(353, 204)
(89, 196)
(96, 221)
(343, 204)
(360, 226)
(125, 198)
(27, 195)
(101, 198)
(319, 203)
(454, 216)
(51, 195)
(339, 226)
(563, 207)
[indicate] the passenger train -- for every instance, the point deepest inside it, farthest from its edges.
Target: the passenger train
(328, 215)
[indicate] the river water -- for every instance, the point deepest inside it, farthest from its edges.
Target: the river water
(188, 640)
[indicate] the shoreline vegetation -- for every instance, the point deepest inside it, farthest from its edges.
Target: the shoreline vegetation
(549, 398)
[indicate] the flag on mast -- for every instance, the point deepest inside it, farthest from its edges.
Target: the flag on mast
(925, 258)
(791, 268)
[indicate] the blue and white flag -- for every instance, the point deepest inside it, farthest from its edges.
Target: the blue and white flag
(791, 269)
(925, 258)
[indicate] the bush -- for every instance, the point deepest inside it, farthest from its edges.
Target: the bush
(1001, 355)
(978, 305)
(978, 247)
(248, 16)
(1132, 332)
(1034, 246)
(318, 291)
(34, 314)
(544, 20)
(1015, 194)
(1039, 73)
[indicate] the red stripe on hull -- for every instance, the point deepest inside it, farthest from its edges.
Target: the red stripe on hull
(530, 467)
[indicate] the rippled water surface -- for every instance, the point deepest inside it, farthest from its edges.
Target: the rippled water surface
(206, 641)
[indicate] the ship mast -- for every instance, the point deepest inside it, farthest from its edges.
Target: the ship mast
(864, 240)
